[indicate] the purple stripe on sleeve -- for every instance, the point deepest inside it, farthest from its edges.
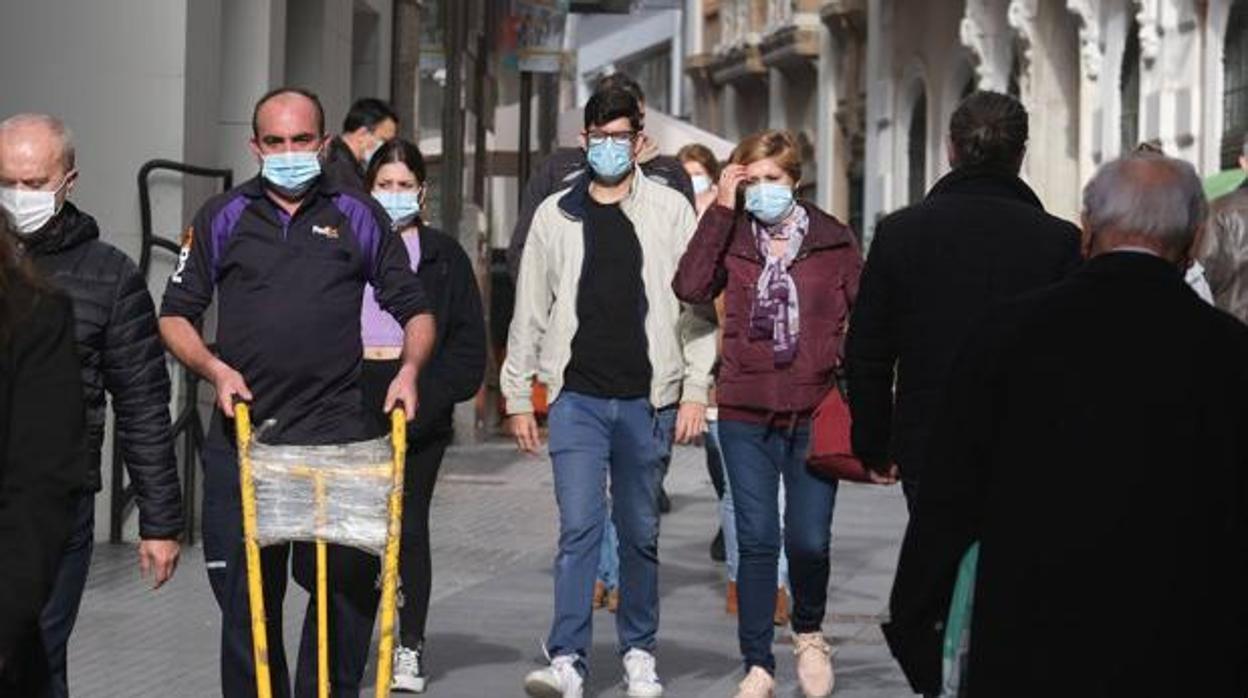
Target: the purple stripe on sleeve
(364, 225)
(223, 225)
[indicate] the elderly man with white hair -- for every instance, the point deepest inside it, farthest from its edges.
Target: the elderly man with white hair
(1094, 440)
(121, 355)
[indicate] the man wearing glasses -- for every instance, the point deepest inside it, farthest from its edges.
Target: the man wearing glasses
(596, 320)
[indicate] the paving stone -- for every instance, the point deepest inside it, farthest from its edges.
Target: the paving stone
(493, 545)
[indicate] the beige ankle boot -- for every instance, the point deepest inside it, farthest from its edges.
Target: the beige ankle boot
(757, 684)
(814, 664)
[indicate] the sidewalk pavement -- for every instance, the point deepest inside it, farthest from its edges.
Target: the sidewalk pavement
(493, 536)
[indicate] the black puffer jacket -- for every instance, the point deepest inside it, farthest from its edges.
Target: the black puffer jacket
(120, 351)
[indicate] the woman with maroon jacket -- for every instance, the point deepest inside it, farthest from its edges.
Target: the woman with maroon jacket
(789, 274)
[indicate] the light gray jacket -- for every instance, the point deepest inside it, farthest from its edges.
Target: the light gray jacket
(680, 338)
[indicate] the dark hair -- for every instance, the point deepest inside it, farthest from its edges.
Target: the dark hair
(395, 150)
(278, 92)
(16, 272)
(989, 129)
(696, 152)
(367, 113)
(610, 104)
(620, 81)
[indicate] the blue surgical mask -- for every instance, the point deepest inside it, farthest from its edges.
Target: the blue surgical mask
(768, 201)
(402, 206)
(610, 160)
(701, 183)
(291, 173)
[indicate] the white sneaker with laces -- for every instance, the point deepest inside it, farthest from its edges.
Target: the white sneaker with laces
(640, 675)
(559, 680)
(408, 675)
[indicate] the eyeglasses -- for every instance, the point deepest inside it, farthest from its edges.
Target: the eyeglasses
(618, 138)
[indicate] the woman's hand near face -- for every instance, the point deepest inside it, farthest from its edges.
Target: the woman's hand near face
(729, 180)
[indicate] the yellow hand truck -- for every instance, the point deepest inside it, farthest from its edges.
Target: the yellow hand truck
(389, 479)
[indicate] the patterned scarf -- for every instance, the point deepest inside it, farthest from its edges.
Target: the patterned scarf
(775, 313)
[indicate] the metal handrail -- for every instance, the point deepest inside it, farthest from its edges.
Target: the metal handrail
(187, 424)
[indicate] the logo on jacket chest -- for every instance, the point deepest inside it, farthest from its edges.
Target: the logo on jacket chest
(325, 231)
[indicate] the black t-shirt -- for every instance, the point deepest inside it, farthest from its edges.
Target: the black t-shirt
(609, 351)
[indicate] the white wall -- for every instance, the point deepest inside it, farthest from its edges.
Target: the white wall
(253, 34)
(115, 73)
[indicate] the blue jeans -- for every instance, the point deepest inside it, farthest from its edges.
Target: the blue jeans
(61, 611)
(591, 438)
(609, 554)
(757, 457)
(609, 557)
(728, 515)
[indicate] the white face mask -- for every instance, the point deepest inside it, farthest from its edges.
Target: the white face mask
(29, 210)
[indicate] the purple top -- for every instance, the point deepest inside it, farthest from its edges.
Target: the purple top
(377, 327)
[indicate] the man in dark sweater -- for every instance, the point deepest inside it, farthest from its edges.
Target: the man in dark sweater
(121, 355)
(369, 123)
(934, 269)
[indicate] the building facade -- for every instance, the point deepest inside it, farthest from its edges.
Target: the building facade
(137, 80)
(869, 85)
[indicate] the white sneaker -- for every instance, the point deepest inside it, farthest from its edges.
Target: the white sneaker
(408, 675)
(559, 680)
(640, 675)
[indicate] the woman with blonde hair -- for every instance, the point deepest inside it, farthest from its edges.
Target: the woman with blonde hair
(789, 275)
(703, 169)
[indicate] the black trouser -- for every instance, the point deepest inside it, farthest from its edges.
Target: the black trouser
(25, 673)
(715, 467)
(353, 595)
(424, 459)
(61, 611)
(910, 488)
(415, 563)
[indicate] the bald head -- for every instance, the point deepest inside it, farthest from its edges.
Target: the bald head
(36, 150)
(1144, 199)
(285, 102)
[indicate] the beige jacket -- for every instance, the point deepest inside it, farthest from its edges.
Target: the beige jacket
(1224, 252)
(680, 338)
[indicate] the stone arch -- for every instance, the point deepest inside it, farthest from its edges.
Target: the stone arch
(1129, 88)
(916, 150)
(914, 143)
(1234, 92)
(1213, 123)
